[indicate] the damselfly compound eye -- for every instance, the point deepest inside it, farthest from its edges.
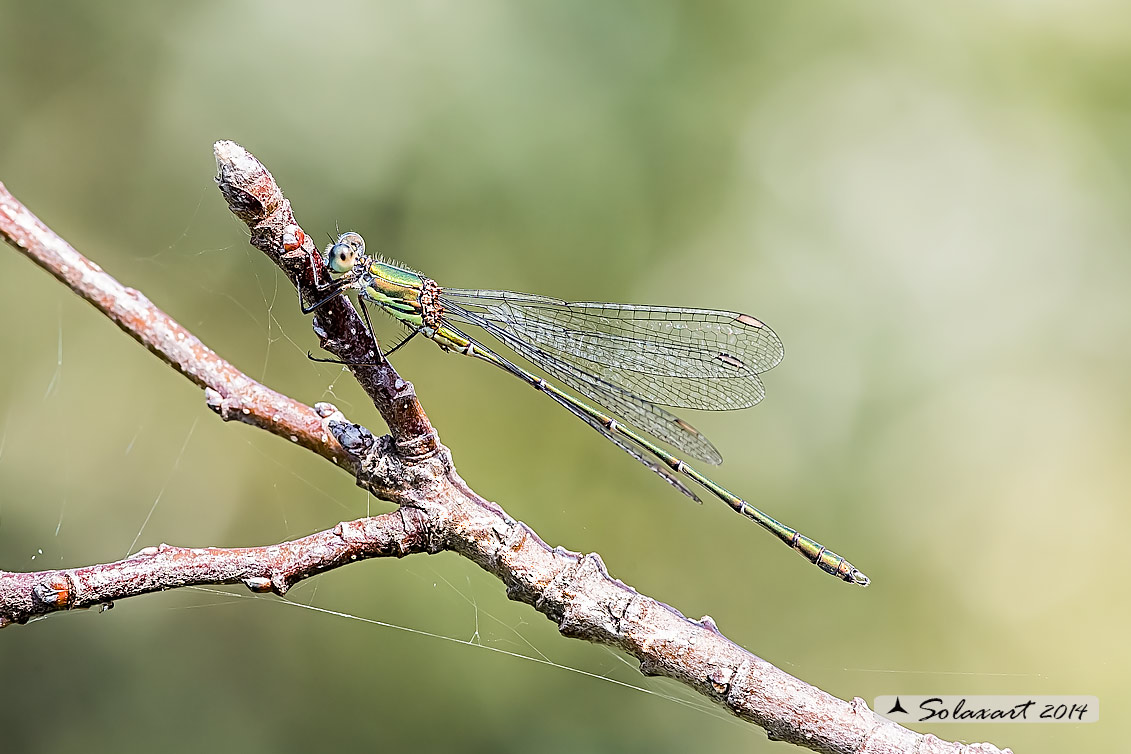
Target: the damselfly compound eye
(340, 257)
(343, 254)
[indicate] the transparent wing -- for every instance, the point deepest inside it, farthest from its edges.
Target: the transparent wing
(685, 358)
(633, 409)
(624, 443)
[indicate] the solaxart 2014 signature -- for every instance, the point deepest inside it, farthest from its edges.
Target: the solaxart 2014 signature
(956, 708)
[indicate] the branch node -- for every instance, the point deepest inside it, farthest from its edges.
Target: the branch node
(512, 534)
(616, 612)
(258, 584)
(247, 186)
(216, 402)
(55, 591)
(569, 599)
(294, 238)
(420, 448)
(230, 407)
(720, 679)
(740, 686)
(354, 438)
(351, 532)
(326, 409)
(708, 623)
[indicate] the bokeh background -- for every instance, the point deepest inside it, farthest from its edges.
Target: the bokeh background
(928, 203)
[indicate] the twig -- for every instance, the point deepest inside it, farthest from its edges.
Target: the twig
(255, 198)
(438, 510)
(274, 568)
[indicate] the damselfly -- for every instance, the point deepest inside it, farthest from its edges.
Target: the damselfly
(631, 360)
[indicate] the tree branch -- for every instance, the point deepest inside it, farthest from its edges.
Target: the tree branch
(438, 509)
(274, 568)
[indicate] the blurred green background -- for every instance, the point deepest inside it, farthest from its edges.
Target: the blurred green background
(928, 204)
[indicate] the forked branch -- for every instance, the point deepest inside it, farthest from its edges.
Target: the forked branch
(438, 510)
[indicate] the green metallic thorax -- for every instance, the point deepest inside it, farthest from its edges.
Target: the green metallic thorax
(395, 290)
(405, 295)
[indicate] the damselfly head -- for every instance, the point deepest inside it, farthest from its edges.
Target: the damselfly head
(343, 254)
